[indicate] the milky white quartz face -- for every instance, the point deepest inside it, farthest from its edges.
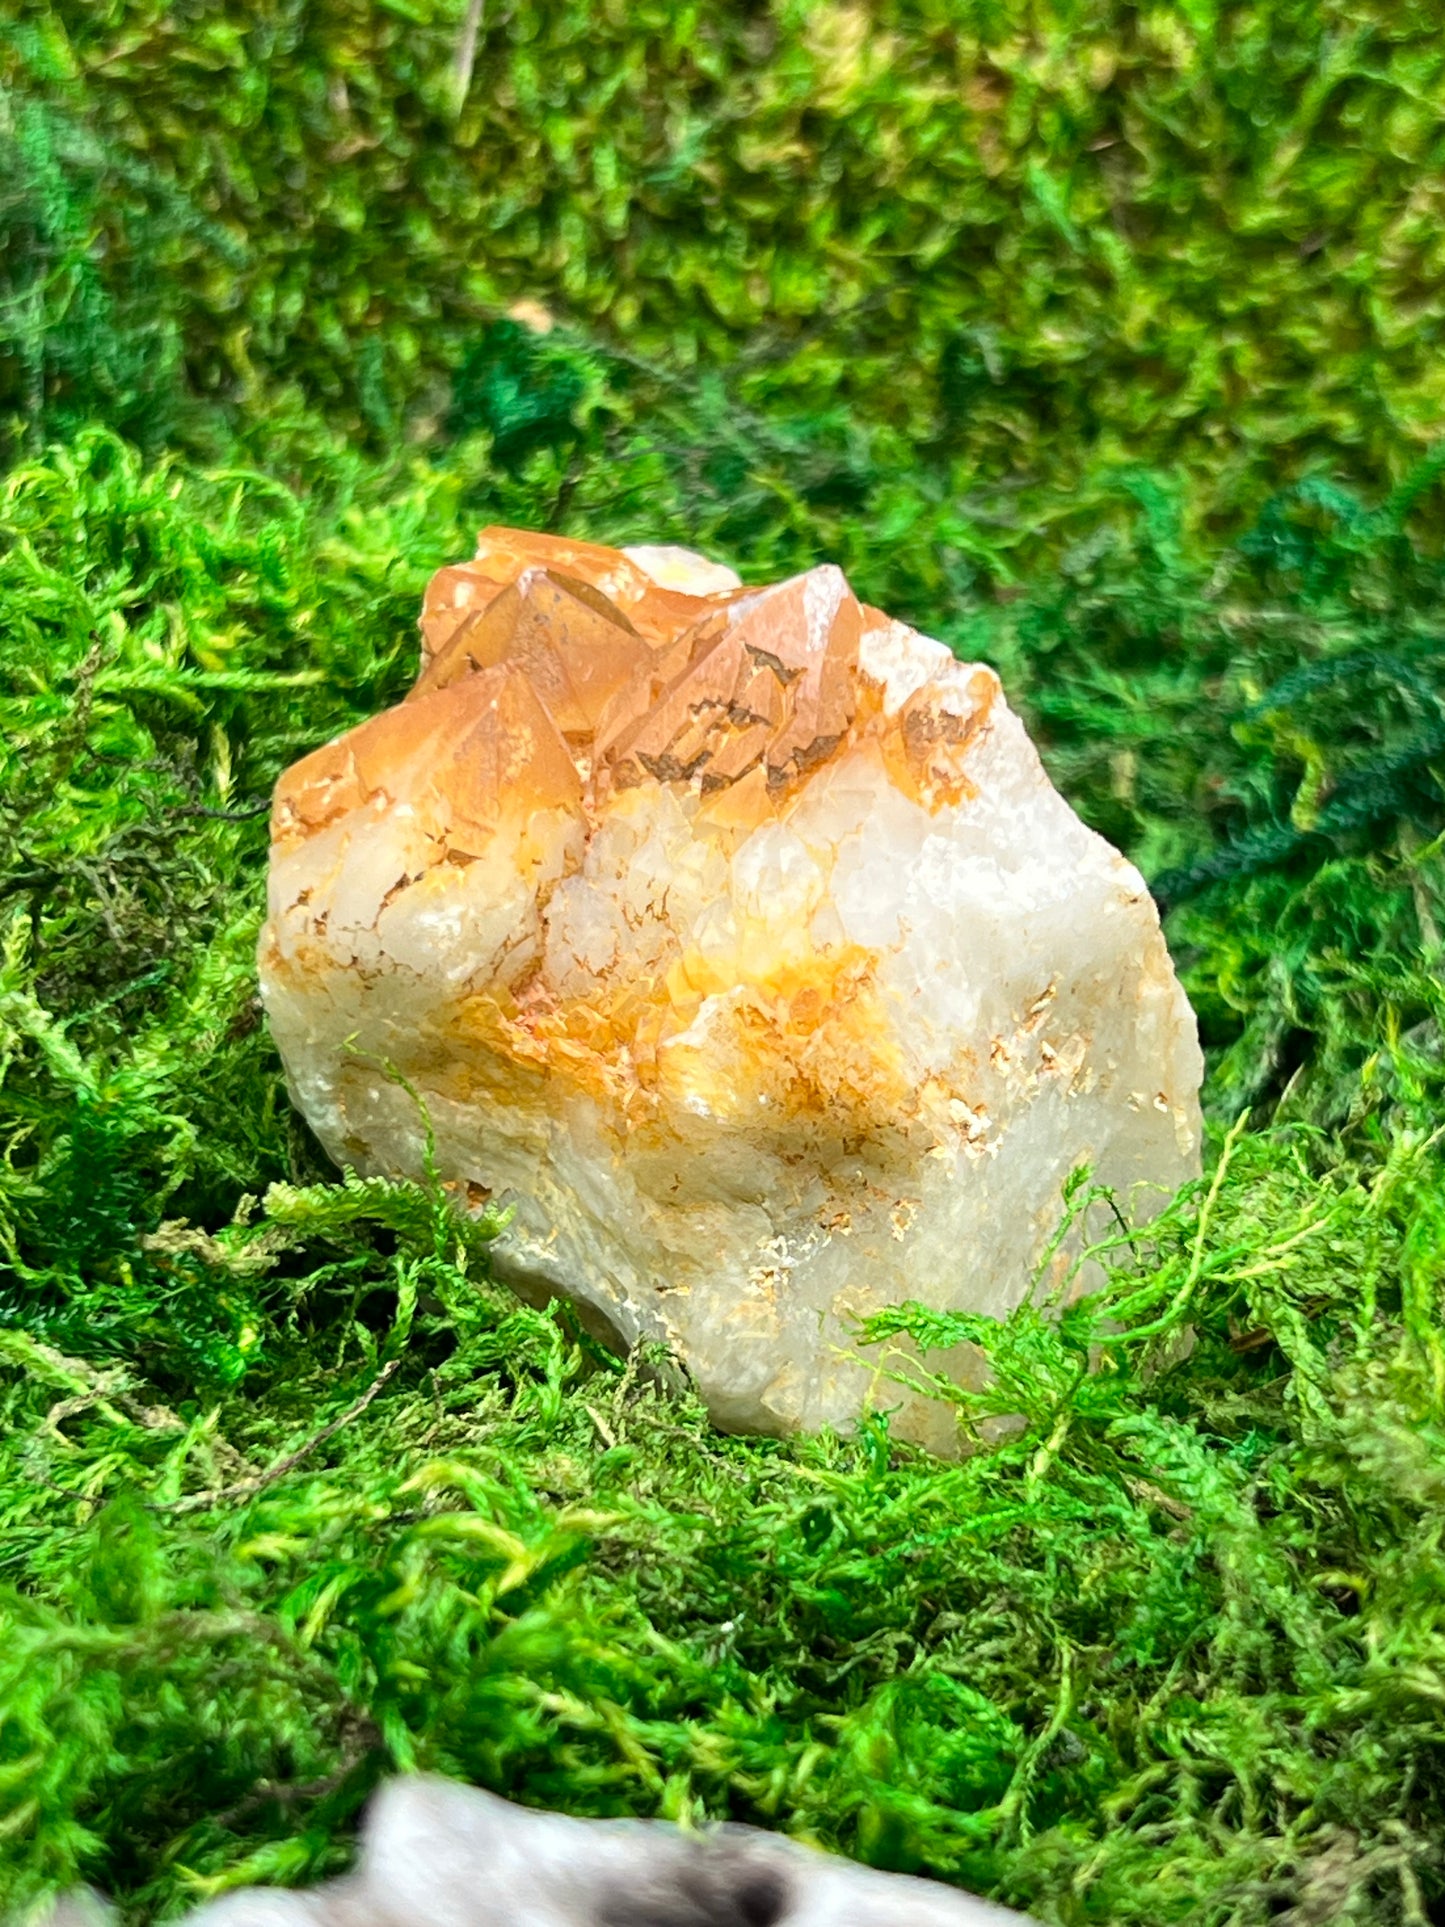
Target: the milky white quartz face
(736, 942)
(674, 568)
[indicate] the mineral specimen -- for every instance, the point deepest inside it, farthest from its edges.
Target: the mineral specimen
(436, 1854)
(735, 941)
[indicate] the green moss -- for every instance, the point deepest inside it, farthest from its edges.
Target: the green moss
(1037, 244)
(1054, 333)
(1165, 1653)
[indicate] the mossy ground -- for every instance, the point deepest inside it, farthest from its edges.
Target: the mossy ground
(290, 1496)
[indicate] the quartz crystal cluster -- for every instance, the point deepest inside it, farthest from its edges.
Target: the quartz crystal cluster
(734, 940)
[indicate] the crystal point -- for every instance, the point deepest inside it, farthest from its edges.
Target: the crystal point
(736, 940)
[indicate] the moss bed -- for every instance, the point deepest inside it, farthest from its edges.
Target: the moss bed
(1102, 343)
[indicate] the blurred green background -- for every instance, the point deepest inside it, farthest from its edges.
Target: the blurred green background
(1101, 341)
(1031, 242)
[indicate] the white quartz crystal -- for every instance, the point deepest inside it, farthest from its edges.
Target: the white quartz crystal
(739, 945)
(436, 1854)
